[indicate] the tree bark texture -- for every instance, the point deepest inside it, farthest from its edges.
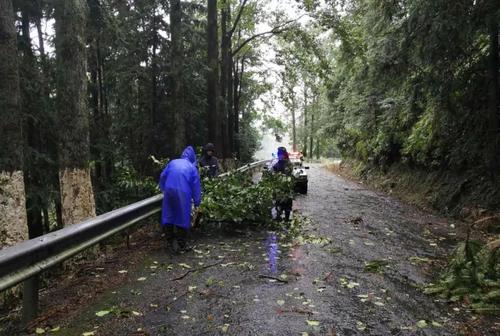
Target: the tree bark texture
(77, 196)
(13, 221)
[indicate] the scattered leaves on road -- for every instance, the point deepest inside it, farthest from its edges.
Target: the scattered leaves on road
(419, 260)
(349, 284)
(375, 266)
(312, 323)
(360, 326)
(421, 324)
(102, 313)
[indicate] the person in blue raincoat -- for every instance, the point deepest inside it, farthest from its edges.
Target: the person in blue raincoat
(283, 166)
(180, 184)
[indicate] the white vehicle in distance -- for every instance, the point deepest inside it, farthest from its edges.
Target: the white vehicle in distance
(299, 172)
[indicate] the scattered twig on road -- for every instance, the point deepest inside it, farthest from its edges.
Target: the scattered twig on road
(196, 270)
(296, 310)
(328, 275)
(273, 278)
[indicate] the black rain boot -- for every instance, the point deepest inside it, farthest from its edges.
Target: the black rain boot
(287, 215)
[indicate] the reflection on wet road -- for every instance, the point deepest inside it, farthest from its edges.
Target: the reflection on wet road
(272, 252)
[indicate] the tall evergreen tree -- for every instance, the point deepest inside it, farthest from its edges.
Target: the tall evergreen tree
(214, 127)
(177, 57)
(13, 221)
(73, 115)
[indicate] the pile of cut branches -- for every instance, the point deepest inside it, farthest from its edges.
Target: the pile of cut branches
(237, 199)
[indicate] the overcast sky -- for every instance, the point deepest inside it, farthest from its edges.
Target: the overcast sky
(267, 49)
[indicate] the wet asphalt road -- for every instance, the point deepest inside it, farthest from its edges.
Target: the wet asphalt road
(253, 282)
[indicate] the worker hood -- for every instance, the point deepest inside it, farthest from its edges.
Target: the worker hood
(189, 155)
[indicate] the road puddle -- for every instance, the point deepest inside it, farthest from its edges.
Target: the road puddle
(272, 249)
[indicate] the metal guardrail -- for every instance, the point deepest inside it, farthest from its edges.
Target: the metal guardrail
(26, 260)
(31, 257)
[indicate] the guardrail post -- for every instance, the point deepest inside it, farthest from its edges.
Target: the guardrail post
(30, 300)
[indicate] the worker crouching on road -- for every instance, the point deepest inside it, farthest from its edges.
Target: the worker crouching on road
(283, 166)
(180, 184)
(209, 162)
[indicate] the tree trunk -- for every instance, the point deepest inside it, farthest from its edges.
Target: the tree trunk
(223, 107)
(50, 143)
(294, 129)
(155, 134)
(304, 150)
(317, 148)
(311, 140)
(46, 219)
(13, 219)
(177, 71)
(96, 130)
(41, 44)
(213, 76)
(100, 131)
(493, 95)
(77, 196)
(238, 75)
(32, 103)
(230, 93)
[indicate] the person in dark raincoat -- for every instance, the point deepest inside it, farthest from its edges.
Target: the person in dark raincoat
(180, 184)
(209, 162)
(283, 166)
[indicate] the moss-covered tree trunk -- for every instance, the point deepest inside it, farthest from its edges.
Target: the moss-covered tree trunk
(77, 197)
(13, 221)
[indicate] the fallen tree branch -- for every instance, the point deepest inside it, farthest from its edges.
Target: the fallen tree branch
(274, 31)
(272, 278)
(196, 270)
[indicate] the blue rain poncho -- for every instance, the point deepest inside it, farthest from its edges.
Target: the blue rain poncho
(180, 183)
